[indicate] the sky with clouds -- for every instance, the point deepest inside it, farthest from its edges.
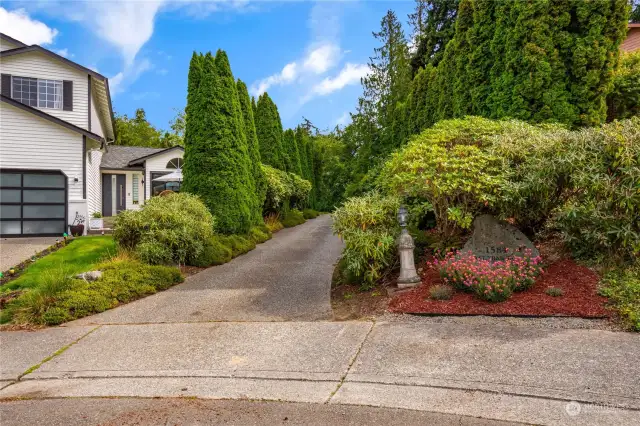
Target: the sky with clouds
(309, 56)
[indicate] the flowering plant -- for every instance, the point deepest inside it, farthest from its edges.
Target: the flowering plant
(495, 281)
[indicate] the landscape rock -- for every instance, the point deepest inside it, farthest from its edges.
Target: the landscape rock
(90, 276)
(495, 240)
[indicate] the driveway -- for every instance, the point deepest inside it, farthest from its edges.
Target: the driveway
(286, 278)
(15, 250)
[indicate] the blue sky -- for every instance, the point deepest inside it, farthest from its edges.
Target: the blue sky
(309, 56)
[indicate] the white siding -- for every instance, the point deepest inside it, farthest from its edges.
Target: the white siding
(96, 123)
(6, 45)
(30, 142)
(94, 181)
(158, 164)
(129, 187)
(37, 65)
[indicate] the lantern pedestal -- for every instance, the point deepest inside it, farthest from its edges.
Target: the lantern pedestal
(408, 276)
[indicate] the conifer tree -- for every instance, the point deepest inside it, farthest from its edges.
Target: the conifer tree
(269, 131)
(301, 143)
(217, 169)
(259, 180)
(480, 60)
(433, 24)
(291, 149)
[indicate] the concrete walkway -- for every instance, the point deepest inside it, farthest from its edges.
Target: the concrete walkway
(509, 373)
(286, 278)
(16, 250)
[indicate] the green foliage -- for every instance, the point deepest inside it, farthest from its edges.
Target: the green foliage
(258, 179)
(554, 292)
(214, 253)
(293, 218)
(441, 292)
(446, 167)
(284, 189)
(259, 234)
(80, 255)
(168, 229)
(217, 162)
(368, 227)
(269, 132)
(310, 213)
(137, 131)
(433, 24)
(291, 154)
(622, 287)
(64, 299)
(624, 99)
(272, 222)
(238, 244)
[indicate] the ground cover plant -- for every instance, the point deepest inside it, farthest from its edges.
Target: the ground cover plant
(622, 286)
(293, 218)
(78, 256)
(60, 297)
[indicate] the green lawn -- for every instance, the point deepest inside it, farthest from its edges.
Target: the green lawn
(79, 256)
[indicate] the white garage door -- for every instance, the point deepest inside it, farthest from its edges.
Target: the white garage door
(32, 203)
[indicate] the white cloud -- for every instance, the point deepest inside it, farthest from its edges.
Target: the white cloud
(350, 74)
(64, 52)
(19, 25)
(322, 58)
(344, 119)
(287, 75)
(119, 82)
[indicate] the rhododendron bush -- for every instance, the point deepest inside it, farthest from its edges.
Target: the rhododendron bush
(492, 281)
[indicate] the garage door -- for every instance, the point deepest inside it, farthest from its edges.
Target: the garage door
(32, 203)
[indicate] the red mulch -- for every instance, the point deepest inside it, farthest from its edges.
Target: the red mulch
(580, 297)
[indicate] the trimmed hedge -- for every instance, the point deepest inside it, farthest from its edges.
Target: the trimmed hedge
(293, 218)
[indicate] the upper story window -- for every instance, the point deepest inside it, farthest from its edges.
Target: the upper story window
(37, 92)
(176, 163)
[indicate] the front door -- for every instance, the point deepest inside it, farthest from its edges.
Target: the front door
(113, 194)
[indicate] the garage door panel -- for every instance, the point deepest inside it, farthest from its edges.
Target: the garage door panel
(43, 195)
(32, 202)
(43, 212)
(42, 227)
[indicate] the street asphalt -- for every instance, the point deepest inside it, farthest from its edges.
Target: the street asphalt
(455, 372)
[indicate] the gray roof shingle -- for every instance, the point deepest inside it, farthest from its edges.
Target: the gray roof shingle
(118, 157)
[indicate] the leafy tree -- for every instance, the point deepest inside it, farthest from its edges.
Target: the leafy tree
(217, 164)
(257, 173)
(433, 24)
(137, 131)
(624, 99)
(269, 131)
(635, 11)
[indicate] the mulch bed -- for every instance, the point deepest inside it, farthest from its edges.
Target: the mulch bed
(578, 282)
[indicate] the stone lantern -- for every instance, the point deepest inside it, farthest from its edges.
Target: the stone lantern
(408, 276)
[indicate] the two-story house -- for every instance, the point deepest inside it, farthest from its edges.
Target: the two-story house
(56, 123)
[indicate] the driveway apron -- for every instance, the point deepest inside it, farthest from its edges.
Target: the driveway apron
(286, 278)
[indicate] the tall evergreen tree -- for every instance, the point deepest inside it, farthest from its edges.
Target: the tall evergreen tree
(259, 180)
(635, 12)
(301, 136)
(461, 99)
(216, 156)
(480, 62)
(433, 24)
(269, 131)
(291, 149)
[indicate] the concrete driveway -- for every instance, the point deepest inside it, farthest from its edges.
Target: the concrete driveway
(15, 250)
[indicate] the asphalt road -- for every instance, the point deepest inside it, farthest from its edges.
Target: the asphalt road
(284, 279)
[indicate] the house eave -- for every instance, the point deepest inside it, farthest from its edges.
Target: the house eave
(146, 157)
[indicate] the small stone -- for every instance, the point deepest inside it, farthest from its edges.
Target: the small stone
(90, 276)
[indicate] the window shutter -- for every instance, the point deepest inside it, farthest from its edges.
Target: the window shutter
(67, 95)
(6, 85)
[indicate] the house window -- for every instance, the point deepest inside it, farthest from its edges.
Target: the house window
(37, 92)
(176, 163)
(134, 190)
(158, 187)
(25, 90)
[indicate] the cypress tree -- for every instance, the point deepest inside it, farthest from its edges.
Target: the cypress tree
(259, 180)
(291, 149)
(480, 61)
(301, 144)
(269, 132)
(218, 162)
(434, 26)
(461, 99)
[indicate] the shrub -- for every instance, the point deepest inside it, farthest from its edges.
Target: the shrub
(272, 222)
(441, 292)
(258, 235)
(448, 167)
(495, 281)
(68, 299)
(284, 189)
(624, 99)
(310, 213)
(554, 292)
(368, 227)
(293, 218)
(171, 229)
(238, 245)
(214, 253)
(622, 287)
